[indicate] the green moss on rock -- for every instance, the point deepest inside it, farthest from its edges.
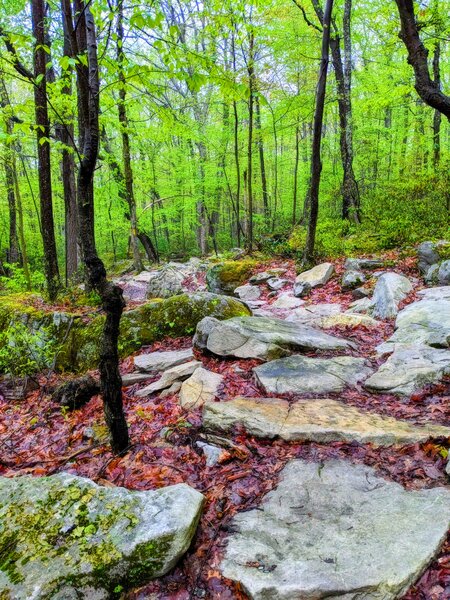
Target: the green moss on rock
(225, 277)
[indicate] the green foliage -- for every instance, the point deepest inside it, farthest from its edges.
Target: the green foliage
(16, 282)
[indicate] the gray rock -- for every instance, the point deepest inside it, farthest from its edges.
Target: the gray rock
(358, 264)
(317, 276)
(408, 370)
(389, 291)
(70, 538)
(248, 292)
(435, 293)
(313, 313)
(361, 306)
(285, 301)
(212, 453)
(304, 375)
(177, 373)
(201, 387)
(267, 338)
(424, 322)
(275, 283)
(161, 361)
(352, 279)
(204, 328)
(302, 289)
(361, 292)
(335, 530)
(173, 389)
(447, 468)
(260, 277)
(431, 276)
(428, 255)
(129, 379)
(318, 420)
(443, 275)
(166, 283)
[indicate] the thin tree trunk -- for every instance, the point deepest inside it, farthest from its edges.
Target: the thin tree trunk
(437, 117)
(296, 161)
(84, 42)
(123, 119)
(21, 229)
(316, 163)
(251, 88)
(262, 163)
(43, 146)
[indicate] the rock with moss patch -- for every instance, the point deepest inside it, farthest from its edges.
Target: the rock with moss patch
(66, 537)
(225, 277)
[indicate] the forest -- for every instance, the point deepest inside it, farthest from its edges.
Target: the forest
(224, 299)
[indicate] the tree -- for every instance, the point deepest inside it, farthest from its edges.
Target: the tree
(84, 43)
(427, 88)
(316, 162)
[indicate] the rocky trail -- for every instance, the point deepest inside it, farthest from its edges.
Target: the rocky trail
(317, 429)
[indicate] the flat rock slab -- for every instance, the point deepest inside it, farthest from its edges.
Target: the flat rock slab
(320, 420)
(314, 312)
(202, 386)
(265, 338)
(285, 301)
(335, 530)
(435, 293)
(390, 290)
(357, 264)
(316, 276)
(304, 375)
(424, 322)
(408, 370)
(68, 538)
(160, 361)
(347, 320)
(177, 373)
(248, 292)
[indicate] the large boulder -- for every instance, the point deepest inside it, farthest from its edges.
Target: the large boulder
(334, 529)
(315, 277)
(225, 277)
(314, 420)
(64, 537)
(77, 338)
(431, 257)
(266, 338)
(390, 290)
(408, 370)
(166, 283)
(304, 375)
(424, 322)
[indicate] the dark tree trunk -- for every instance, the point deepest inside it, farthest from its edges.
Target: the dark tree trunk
(83, 39)
(427, 89)
(43, 146)
(251, 89)
(123, 119)
(296, 161)
(316, 163)
(262, 162)
(437, 117)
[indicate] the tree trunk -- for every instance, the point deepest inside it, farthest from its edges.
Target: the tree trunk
(437, 117)
(316, 163)
(83, 39)
(427, 89)
(123, 119)
(262, 163)
(43, 146)
(251, 88)
(296, 161)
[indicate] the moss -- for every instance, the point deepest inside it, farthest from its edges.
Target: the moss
(225, 277)
(443, 249)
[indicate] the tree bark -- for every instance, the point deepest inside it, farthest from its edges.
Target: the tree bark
(84, 41)
(427, 89)
(123, 119)
(262, 163)
(437, 117)
(43, 146)
(316, 163)
(296, 161)
(251, 89)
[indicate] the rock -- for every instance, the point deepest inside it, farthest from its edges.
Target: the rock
(361, 306)
(443, 275)
(201, 387)
(69, 538)
(347, 320)
(285, 301)
(166, 283)
(248, 292)
(358, 264)
(431, 276)
(435, 293)
(314, 312)
(424, 322)
(275, 283)
(204, 328)
(76, 393)
(352, 280)
(129, 379)
(447, 468)
(267, 338)
(213, 454)
(237, 253)
(389, 291)
(260, 277)
(170, 391)
(225, 277)
(317, 276)
(304, 375)
(361, 292)
(408, 370)
(335, 529)
(161, 361)
(431, 253)
(317, 420)
(177, 373)
(302, 289)
(17, 388)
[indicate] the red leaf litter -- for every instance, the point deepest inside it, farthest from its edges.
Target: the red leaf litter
(37, 438)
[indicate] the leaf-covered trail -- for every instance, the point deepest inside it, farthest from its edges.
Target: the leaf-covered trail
(37, 438)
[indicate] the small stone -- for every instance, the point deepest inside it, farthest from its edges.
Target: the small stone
(357, 264)
(302, 289)
(129, 379)
(285, 301)
(260, 277)
(201, 387)
(173, 389)
(275, 283)
(361, 292)
(204, 328)
(347, 320)
(213, 454)
(161, 361)
(313, 313)
(443, 275)
(317, 276)
(176, 373)
(352, 279)
(248, 292)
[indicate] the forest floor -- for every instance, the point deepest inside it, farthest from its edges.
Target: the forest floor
(38, 438)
